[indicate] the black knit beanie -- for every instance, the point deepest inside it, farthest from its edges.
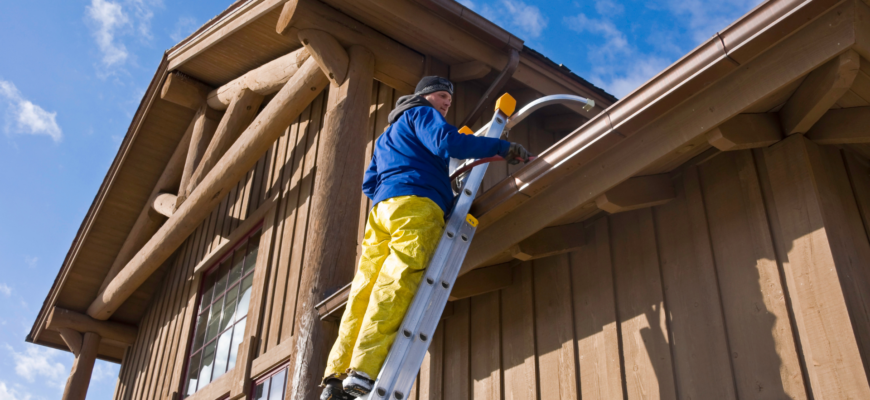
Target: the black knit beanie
(432, 84)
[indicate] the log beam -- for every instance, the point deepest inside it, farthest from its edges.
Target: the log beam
(281, 111)
(550, 241)
(264, 80)
(396, 65)
(636, 193)
(842, 126)
(469, 71)
(483, 280)
(819, 91)
(146, 224)
(330, 247)
(184, 91)
(113, 331)
(204, 126)
(238, 116)
(746, 131)
(328, 53)
(72, 338)
(80, 374)
(163, 204)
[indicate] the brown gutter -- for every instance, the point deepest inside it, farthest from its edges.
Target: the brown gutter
(748, 37)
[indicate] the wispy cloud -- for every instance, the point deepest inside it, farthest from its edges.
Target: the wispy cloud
(183, 27)
(39, 362)
(144, 12)
(109, 17)
(104, 370)
(605, 7)
(705, 18)
(31, 261)
(25, 117)
(514, 14)
(5, 289)
(9, 393)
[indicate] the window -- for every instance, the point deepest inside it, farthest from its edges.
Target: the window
(271, 387)
(223, 310)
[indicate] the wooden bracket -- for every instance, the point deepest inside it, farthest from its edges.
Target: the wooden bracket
(469, 71)
(636, 193)
(818, 92)
(842, 126)
(113, 331)
(550, 241)
(330, 56)
(72, 338)
(184, 91)
(483, 280)
(163, 204)
(746, 131)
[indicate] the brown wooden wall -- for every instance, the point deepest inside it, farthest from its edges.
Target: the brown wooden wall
(152, 368)
(686, 300)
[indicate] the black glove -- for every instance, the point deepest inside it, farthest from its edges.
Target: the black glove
(517, 153)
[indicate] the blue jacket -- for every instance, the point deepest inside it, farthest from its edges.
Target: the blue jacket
(412, 157)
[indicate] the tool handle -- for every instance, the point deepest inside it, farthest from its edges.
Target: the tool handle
(467, 167)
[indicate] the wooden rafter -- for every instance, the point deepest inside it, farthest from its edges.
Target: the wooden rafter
(265, 80)
(550, 241)
(636, 193)
(842, 126)
(819, 91)
(114, 331)
(184, 91)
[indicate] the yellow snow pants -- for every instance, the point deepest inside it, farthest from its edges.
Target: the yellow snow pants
(401, 234)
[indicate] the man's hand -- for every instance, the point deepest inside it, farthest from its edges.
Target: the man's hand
(517, 153)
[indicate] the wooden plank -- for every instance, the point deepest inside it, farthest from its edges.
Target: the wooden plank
(755, 310)
(483, 280)
(847, 125)
(810, 218)
(636, 193)
(519, 359)
(169, 383)
(550, 241)
(702, 362)
(746, 131)
(859, 176)
(431, 371)
(640, 307)
(169, 292)
(554, 338)
(457, 352)
(486, 347)
(595, 327)
(819, 91)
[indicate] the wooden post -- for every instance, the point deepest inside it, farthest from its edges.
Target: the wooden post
(331, 248)
(83, 366)
(826, 252)
(285, 107)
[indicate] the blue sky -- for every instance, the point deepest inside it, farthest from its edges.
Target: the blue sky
(73, 73)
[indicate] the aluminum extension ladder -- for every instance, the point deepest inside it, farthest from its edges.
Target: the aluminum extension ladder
(400, 369)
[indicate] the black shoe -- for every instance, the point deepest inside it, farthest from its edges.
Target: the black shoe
(334, 391)
(358, 384)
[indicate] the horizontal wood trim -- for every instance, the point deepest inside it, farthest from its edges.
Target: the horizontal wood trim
(272, 358)
(483, 280)
(330, 309)
(216, 389)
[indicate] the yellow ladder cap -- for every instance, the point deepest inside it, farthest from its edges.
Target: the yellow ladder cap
(471, 220)
(466, 130)
(506, 103)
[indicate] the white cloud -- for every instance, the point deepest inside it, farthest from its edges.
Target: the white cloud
(28, 118)
(39, 362)
(184, 27)
(109, 18)
(144, 13)
(608, 7)
(5, 289)
(615, 40)
(512, 14)
(31, 261)
(9, 393)
(705, 18)
(104, 370)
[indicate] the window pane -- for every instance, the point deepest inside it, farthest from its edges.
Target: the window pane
(199, 339)
(208, 288)
(238, 263)
(242, 309)
(207, 364)
(221, 278)
(214, 320)
(223, 351)
(261, 390)
(277, 392)
(229, 307)
(192, 374)
(251, 259)
(238, 335)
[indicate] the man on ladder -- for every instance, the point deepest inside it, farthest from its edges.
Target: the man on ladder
(411, 193)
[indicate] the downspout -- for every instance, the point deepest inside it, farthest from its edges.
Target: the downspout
(503, 77)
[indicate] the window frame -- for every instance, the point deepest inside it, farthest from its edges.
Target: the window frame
(229, 252)
(285, 366)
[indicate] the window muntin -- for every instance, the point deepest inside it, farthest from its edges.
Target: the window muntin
(221, 317)
(271, 387)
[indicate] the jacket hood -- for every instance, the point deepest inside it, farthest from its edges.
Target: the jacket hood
(406, 103)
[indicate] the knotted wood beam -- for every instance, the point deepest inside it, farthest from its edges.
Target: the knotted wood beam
(818, 92)
(265, 80)
(281, 111)
(117, 332)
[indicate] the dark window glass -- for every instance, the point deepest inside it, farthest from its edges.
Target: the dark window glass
(272, 387)
(220, 323)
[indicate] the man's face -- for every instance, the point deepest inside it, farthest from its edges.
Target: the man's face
(440, 100)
